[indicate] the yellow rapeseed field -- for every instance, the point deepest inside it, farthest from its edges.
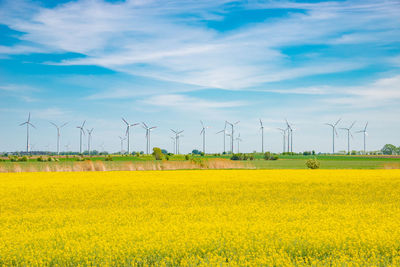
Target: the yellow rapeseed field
(212, 217)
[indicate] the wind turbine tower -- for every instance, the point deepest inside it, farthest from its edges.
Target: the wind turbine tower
(334, 132)
(177, 136)
(128, 126)
(28, 123)
(203, 132)
(232, 132)
(81, 131)
(58, 135)
(224, 136)
(364, 131)
(148, 130)
(262, 136)
(122, 143)
(89, 138)
(174, 144)
(238, 143)
(289, 137)
(348, 136)
(284, 137)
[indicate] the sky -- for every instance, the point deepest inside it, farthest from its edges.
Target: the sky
(173, 63)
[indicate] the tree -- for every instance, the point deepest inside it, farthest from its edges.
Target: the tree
(157, 153)
(389, 149)
(196, 152)
(164, 151)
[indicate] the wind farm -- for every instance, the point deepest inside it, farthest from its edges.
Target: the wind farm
(199, 133)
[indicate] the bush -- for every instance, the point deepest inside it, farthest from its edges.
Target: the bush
(312, 164)
(269, 156)
(157, 153)
(236, 157)
(24, 158)
(186, 157)
(80, 159)
(40, 159)
(108, 158)
(167, 157)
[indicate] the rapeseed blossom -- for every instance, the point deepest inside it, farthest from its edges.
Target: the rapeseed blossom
(212, 217)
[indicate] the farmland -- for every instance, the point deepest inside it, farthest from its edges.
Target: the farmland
(209, 217)
(147, 162)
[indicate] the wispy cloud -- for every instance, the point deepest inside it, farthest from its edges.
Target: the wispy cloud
(170, 41)
(182, 102)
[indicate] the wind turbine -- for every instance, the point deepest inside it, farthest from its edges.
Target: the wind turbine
(177, 136)
(148, 130)
(122, 143)
(334, 132)
(289, 137)
(238, 142)
(128, 126)
(364, 133)
(174, 147)
(203, 132)
(284, 137)
(102, 147)
(28, 122)
(224, 135)
(82, 131)
(89, 138)
(262, 136)
(232, 132)
(58, 135)
(348, 136)
(67, 147)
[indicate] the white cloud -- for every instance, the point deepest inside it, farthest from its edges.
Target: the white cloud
(153, 39)
(182, 102)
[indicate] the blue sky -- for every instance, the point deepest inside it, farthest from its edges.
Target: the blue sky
(173, 63)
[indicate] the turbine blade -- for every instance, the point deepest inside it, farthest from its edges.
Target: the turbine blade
(351, 126)
(202, 124)
(83, 124)
(145, 125)
(54, 124)
(365, 128)
(152, 127)
(23, 123)
(338, 121)
(64, 124)
(125, 121)
(237, 122)
(173, 131)
(29, 117)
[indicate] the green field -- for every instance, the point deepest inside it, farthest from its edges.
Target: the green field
(147, 162)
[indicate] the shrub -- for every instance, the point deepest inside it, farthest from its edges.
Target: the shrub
(269, 156)
(312, 164)
(167, 157)
(108, 158)
(40, 159)
(236, 157)
(24, 158)
(157, 153)
(186, 157)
